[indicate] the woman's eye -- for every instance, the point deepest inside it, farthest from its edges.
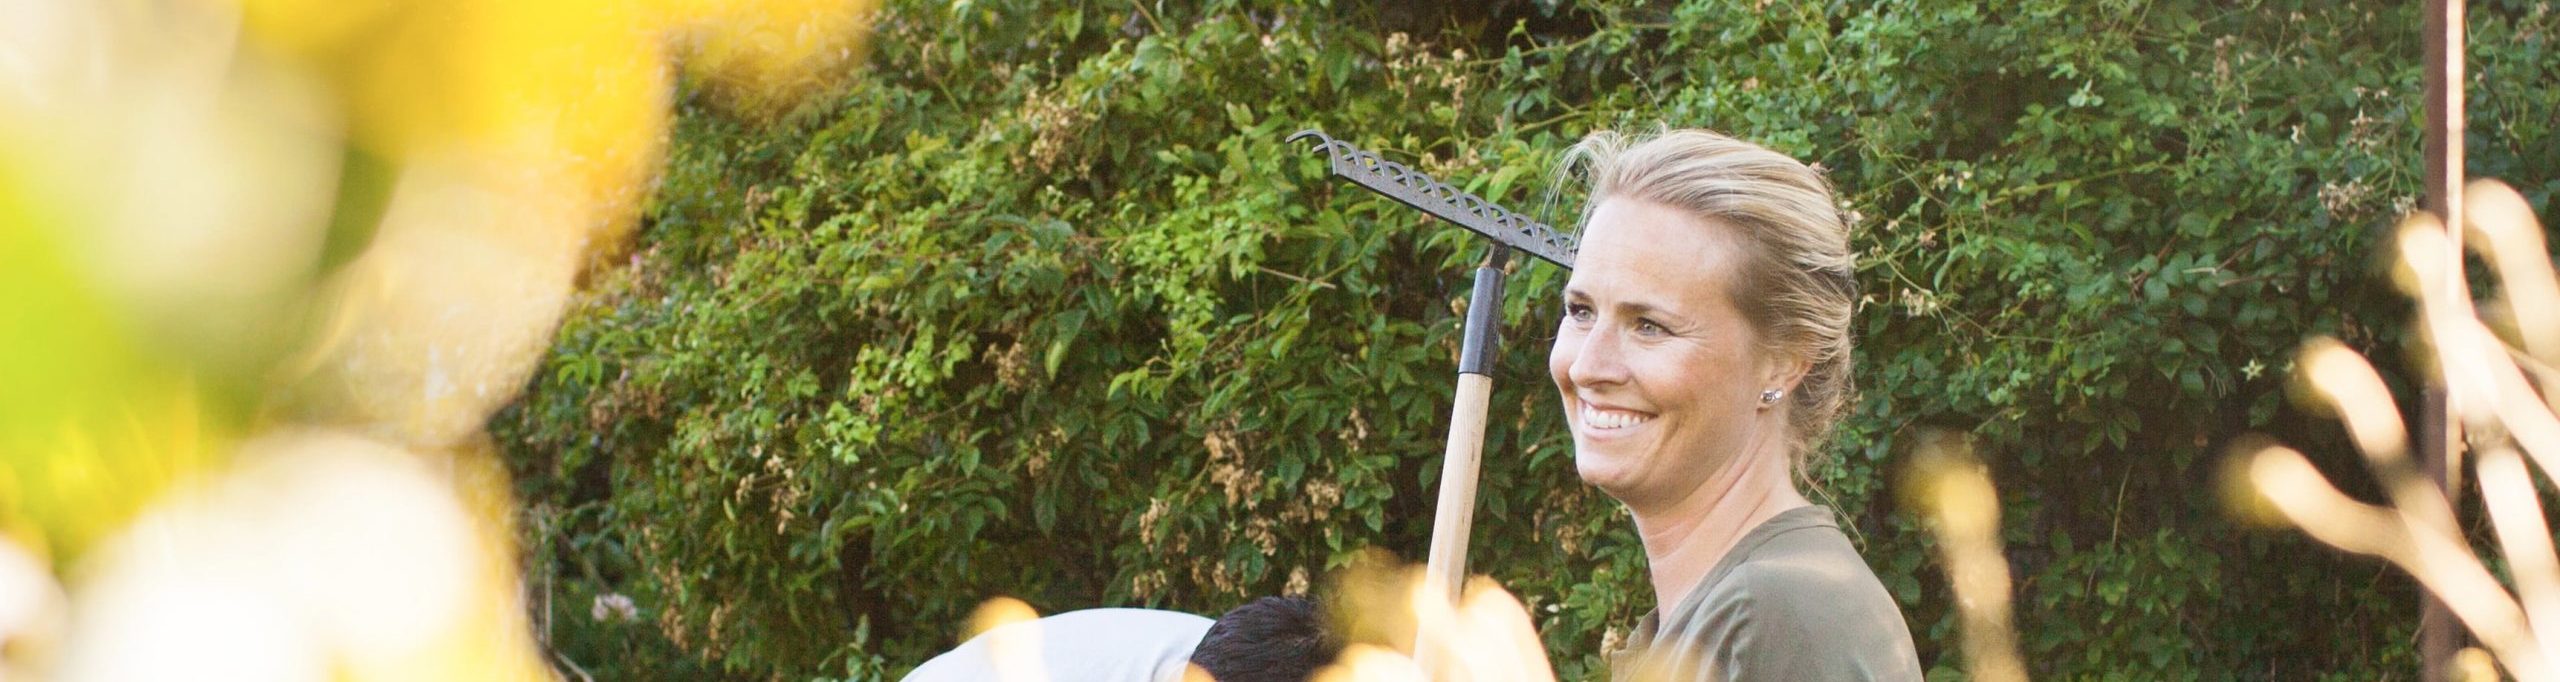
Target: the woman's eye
(1577, 312)
(1648, 328)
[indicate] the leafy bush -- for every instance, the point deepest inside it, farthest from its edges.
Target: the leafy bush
(1045, 307)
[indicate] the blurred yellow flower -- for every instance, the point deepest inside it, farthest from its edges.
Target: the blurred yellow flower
(238, 222)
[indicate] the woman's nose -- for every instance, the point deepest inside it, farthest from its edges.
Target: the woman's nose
(1599, 360)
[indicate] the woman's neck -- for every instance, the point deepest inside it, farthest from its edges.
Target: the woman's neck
(1685, 537)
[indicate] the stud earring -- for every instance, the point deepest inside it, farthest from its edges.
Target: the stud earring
(1771, 396)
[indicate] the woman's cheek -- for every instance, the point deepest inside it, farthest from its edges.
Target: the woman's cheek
(1560, 357)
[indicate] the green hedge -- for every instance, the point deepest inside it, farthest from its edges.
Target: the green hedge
(1045, 307)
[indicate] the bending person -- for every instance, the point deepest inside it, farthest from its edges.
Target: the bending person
(1702, 358)
(1272, 639)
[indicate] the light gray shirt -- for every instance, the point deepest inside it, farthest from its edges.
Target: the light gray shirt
(1093, 645)
(1793, 601)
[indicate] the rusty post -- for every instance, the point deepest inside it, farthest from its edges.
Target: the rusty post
(2440, 439)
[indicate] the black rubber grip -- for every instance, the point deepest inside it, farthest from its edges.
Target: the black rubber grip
(1484, 324)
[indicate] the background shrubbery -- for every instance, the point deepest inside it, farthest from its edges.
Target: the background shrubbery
(1044, 307)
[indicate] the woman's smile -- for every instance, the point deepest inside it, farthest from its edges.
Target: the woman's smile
(1609, 422)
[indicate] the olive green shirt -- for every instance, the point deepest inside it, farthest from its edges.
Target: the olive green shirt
(1793, 601)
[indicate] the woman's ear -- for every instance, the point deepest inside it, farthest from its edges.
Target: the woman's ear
(1785, 372)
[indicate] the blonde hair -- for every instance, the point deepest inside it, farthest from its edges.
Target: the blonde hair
(1797, 287)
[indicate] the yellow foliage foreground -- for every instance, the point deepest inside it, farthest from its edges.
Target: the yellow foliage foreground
(266, 268)
(2497, 387)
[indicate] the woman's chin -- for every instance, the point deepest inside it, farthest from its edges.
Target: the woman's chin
(1600, 470)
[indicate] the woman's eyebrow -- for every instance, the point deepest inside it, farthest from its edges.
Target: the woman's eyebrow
(1631, 308)
(1649, 310)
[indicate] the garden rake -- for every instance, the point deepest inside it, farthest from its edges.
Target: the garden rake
(1446, 571)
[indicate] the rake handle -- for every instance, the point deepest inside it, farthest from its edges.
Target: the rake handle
(1445, 573)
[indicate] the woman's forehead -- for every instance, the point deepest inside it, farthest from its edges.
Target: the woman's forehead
(1632, 243)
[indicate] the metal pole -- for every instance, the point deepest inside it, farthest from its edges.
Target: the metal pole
(2440, 439)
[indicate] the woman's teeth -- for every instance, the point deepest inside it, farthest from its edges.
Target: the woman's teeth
(1611, 419)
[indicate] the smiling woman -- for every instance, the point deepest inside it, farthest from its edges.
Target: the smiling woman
(1704, 348)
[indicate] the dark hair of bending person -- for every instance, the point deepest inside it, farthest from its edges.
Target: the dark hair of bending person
(1272, 639)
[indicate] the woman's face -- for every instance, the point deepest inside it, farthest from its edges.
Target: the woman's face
(1661, 375)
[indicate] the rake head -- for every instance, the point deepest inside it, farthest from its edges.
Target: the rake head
(1416, 189)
